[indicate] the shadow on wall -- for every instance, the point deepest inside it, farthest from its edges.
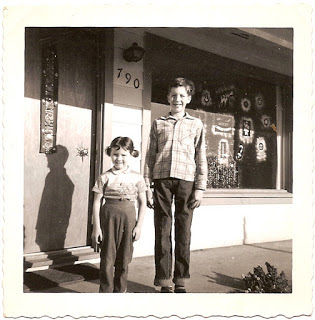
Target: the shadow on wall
(56, 202)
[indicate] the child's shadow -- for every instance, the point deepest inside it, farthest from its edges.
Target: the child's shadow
(56, 203)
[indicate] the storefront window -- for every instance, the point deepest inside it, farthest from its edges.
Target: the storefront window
(246, 108)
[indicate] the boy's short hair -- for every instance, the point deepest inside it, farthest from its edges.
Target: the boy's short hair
(182, 82)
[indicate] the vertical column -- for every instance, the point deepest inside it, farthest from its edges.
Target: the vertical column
(279, 114)
(128, 87)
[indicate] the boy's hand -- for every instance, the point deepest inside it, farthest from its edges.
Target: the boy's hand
(136, 233)
(150, 199)
(195, 200)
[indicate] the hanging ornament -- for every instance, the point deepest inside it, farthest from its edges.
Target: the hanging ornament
(265, 120)
(240, 153)
(261, 149)
(246, 130)
(206, 99)
(223, 151)
(245, 104)
(259, 101)
(226, 97)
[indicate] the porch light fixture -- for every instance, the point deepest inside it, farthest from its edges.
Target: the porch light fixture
(134, 53)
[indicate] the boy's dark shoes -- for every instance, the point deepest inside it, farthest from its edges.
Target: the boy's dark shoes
(166, 290)
(180, 289)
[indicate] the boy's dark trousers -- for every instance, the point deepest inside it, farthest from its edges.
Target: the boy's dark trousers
(118, 219)
(164, 192)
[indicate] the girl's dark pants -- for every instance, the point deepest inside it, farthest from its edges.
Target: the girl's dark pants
(164, 191)
(118, 219)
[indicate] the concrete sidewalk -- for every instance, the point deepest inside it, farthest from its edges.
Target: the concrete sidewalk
(217, 270)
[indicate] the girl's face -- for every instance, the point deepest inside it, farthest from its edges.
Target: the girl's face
(120, 158)
(178, 99)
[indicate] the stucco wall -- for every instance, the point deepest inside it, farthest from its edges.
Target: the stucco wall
(228, 225)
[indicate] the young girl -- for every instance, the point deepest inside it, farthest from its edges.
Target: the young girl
(115, 223)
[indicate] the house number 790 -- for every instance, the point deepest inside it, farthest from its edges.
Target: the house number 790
(128, 78)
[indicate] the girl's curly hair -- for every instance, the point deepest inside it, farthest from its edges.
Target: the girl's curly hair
(124, 143)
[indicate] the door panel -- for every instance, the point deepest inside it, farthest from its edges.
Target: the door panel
(57, 210)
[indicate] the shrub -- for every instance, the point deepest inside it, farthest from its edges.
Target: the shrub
(270, 282)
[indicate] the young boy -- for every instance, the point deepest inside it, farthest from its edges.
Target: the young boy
(176, 165)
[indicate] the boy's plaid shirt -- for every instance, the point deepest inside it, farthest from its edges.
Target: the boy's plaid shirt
(177, 149)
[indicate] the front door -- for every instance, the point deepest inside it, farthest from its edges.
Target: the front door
(58, 185)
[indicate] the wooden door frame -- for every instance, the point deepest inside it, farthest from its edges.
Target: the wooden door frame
(104, 95)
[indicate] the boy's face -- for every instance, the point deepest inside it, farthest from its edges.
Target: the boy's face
(178, 99)
(120, 158)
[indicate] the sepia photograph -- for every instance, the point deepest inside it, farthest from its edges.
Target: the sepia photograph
(157, 159)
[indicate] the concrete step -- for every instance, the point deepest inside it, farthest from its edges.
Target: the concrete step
(55, 254)
(56, 276)
(42, 261)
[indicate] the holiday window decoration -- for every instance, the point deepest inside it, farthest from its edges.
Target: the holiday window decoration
(223, 151)
(246, 130)
(240, 153)
(245, 104)
(225, 97)
(259, 101)
(49, 100)
(261, 149)
(206, 99)
(266, 122)
(223, 176)
(223, 125)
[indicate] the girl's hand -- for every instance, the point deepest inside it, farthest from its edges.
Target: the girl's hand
(136, 233)
(97, 236)
(150, 199)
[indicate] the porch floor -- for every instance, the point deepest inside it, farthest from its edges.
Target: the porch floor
(217, 270)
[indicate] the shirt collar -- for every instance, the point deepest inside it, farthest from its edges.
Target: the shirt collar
(116, 172)
(169, 116)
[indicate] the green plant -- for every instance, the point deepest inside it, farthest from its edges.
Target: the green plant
(270, 282)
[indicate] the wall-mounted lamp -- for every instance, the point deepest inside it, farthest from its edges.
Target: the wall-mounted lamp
(134, 53)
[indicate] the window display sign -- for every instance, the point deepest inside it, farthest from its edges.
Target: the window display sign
(223, 124)
(222, 171)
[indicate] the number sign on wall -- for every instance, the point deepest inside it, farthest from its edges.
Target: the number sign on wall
(127, 74)
(126, 78)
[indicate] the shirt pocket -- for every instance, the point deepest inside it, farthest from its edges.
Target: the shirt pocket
(188, 138)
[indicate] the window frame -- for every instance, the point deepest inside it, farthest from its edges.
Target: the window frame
(279, 195)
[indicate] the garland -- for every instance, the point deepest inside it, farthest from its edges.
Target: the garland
(49, 100)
